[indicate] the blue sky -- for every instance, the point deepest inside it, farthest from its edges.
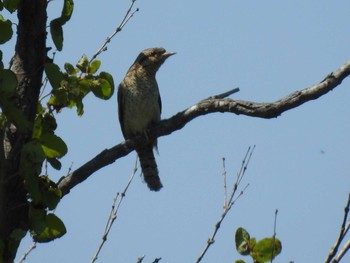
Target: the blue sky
(301, 163)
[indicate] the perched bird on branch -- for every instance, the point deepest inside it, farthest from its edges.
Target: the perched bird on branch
(139, 107)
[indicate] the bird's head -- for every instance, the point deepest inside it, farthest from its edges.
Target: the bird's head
(151, 59)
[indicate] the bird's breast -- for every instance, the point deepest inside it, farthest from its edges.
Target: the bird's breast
(141, 108)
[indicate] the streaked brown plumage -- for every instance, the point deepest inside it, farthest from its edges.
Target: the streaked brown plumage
(139, 107)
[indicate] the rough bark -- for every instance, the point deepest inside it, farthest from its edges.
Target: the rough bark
(27, 64)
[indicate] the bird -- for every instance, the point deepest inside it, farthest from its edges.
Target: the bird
(140, 106)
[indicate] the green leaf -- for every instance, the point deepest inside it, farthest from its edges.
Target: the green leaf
(266, 249)
(54, 75)
(109, 90)
(44, 123)
(37, 219)
(50, 192)
(11, 5)
(32, 157)
(54, 229)
(32, 152)
(70, 69)
(57, 33)
(5, 30)
(56, 29)
(53, 146)
(52, 197)
(83, 64)
(59, 99)
(242, 238)
(94, 66)
(56, 164)
(252, 243)
(37, 129)
(49, 123)
(80, 108)
(102, 90)
(239, 261)
(66, 11)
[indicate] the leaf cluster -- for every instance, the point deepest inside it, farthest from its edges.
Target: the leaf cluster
(260, 251)
(68, 89)
(56, 25)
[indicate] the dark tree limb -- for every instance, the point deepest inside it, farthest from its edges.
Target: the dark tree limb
(28, 66)
(210, 105)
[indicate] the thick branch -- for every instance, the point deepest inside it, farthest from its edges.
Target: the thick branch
(206, 106)
(27, 64)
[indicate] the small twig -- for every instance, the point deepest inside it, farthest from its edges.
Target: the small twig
(140, 259)
(242, 170)
(225, 185)
(230, 202)
(69, 171)
(274, 236)
(343, 231)
(223, 95)
(156, 260)
(125, 20)
(25, 255)
(342, 252)
(275, 223)
(114, 213)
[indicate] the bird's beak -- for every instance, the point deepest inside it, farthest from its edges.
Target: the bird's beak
(168, 54)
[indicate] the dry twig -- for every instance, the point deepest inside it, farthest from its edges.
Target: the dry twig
(274, 235)
(25, 255)
(231, 199)
(140, 259)
(345, 226)
(128, 15)
(113, 214)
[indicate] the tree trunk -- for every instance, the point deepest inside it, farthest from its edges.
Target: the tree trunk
(27, 64)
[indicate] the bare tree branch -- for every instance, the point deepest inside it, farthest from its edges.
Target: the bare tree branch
(113, 214)
(332, 257)
(140, 259)
(210, 105)
(125, 20)
(274, 237)
(228, 205)
(25, 255)
(342, 252)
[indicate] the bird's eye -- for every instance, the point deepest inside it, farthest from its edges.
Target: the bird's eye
(155, 54)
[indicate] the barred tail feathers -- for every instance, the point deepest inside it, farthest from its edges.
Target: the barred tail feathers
(149, 168)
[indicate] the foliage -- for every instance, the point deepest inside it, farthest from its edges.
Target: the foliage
(68, 89)
(261, 251)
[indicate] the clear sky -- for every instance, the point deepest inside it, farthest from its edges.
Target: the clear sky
(301, 163)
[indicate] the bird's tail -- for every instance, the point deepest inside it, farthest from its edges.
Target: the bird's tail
(149, 168)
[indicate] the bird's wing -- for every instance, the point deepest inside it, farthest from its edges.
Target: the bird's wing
(160, 104)
(120, 96)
